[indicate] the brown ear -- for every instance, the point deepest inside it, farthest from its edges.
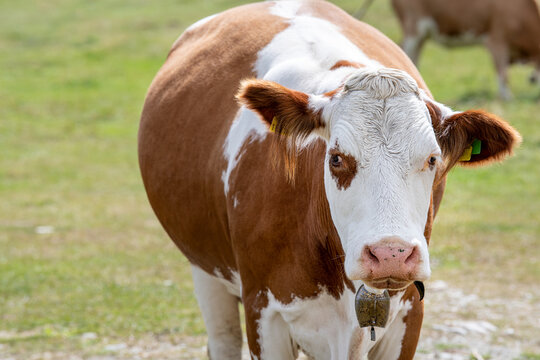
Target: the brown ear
(288, 109)
(458, 131)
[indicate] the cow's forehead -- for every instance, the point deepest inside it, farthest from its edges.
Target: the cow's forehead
(371, 118)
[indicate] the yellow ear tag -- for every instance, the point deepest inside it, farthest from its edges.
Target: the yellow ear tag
(466, 156)
(474, 149)
(273, 125)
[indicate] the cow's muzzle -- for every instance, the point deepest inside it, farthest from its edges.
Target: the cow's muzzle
(390, 264)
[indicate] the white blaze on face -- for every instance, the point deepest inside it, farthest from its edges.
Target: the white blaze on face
(381, 122)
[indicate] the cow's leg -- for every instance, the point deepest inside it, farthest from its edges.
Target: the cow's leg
(221, 317)
(412, 45)
(401, 337)
(267, 332)
(501, 58)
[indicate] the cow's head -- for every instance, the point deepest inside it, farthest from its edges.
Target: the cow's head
(387, 144)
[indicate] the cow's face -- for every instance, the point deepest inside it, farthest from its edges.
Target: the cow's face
(382, 160)
(386, 146)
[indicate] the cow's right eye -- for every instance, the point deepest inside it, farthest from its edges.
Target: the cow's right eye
(336, 161)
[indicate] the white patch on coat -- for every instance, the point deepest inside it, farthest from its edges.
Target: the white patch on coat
(323, 327)
(391, 343)
(245, 125)
(300, 57)
(285, 8)
(234, 285)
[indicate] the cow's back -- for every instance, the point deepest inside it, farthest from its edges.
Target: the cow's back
(190, 107)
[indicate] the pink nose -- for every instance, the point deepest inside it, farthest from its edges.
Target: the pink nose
(391, 258)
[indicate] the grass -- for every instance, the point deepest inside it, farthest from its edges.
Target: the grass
(73, 80)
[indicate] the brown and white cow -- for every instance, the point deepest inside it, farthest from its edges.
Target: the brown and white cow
(326, 177)
(509, 29)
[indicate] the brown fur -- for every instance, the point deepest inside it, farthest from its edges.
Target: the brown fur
(346, 63)
(344, 174)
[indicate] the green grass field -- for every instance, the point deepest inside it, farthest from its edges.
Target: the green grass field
(80, 249)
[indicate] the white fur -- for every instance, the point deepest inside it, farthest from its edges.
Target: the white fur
(300, 56)
(285, 8)
(234, 286)
(220, 313)
(245, 125)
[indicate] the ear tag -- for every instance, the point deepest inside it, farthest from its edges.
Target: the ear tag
(476, 147)
(466, 156)
(273, 125)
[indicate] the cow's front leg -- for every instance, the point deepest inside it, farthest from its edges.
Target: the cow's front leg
(267, 333)
(401, 336)
(220, 313)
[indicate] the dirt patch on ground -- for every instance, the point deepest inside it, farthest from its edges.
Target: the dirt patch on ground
(457, 326)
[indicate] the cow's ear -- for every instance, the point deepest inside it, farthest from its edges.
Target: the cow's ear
(472, 138)
(285, 111)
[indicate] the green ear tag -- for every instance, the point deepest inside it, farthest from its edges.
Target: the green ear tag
(476, 147)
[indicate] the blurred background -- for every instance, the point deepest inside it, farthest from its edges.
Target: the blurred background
(86, 270)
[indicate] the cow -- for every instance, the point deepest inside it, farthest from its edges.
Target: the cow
(295, 155)
(509, 29)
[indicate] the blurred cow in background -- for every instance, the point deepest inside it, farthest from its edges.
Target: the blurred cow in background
(509, 29)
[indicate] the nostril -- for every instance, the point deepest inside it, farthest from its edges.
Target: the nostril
(371, 256)
(413, 256)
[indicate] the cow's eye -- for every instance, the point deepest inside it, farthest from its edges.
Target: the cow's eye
(431, 162)
(336, 160)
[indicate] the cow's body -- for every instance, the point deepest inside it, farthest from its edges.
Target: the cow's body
(251, 233)
(509, 29)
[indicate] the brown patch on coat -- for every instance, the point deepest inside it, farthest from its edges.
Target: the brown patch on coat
(345, 173)
(346, 63)
(413, 324)
(332, 93)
